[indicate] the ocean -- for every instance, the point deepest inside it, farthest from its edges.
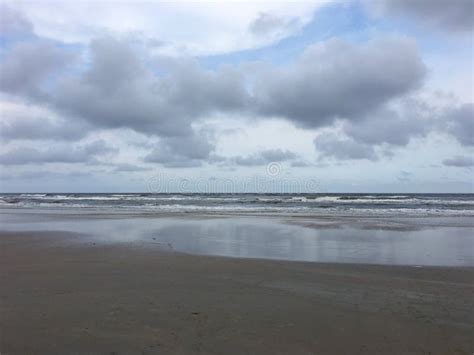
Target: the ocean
(331, 204)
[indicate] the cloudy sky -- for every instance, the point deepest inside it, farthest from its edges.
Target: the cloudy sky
(358, 96)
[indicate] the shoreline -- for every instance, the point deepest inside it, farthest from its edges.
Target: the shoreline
(462, 221)
(127, 299)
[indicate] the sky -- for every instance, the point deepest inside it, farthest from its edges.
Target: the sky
(186, 96)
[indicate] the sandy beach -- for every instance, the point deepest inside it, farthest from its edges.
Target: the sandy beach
(59, 297)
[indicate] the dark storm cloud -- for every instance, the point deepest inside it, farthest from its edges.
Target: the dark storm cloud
(333, 146)
(450, 15)
(460, 123)
(57, 154)
(460, 162)
(340, 79)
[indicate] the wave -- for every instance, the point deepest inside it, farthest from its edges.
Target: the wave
(245, 209)
(32, 195)
(317, 204)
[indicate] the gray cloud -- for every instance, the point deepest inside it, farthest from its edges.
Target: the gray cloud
(264, 157)
(333, 146)
(96, 148)
(460, 162)
(187, 151)
(268, 24)
(13, 23)
(450, 15)
(405, 176)
(33, 128)
(300, 164)
(391, 126)
(120, 91)
(129, 168)
(460, 123)
(44, 174)
(332, 80)
(338, 79)
(57, 154)
(29, 64)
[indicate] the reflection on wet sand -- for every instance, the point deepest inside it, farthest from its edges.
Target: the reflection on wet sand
(270, 238)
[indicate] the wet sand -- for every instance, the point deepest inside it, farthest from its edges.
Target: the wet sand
(59, 297)
(394, 241)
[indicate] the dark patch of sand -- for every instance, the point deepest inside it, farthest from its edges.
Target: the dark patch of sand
(71, 298)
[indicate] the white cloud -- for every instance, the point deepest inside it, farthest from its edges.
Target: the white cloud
(192, 28)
